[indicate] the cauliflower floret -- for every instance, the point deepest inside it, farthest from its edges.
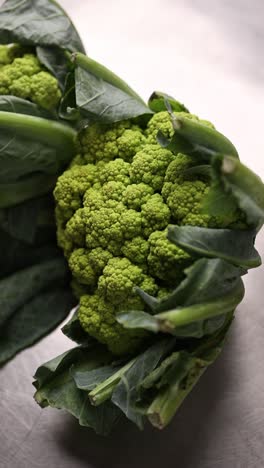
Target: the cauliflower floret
(117, 170)
(136, 250)
(26, 78)
(155, 215)
(103, 143)
(166, 261)
(136, 195)
(70, 189)
(149, 166)
(44, 90)
(97, 317)
(185, 199)
(119, 278)
(87, 266)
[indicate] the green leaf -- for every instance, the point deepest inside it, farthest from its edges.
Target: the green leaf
(157, 103)
(234, 246)
(56, 61)
(22, 106)
(202, 137)
(38, 22)
(18, 289)
(101, 95)
(56, 387)
(34, 320)
(26, 220)
(30, 144)
(205, 280)
(16, 255)
(26, 188)
(197, 139)
(175, 321)
(177, 376)
(219, 202)
(105, 386)
(244, 185)
(126, 392)
(73, 330)
(197, 307)
(87, 379)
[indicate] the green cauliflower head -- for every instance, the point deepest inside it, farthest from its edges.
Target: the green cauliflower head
(22, 75)
(114, 205)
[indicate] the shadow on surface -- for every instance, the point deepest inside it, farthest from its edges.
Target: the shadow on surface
(183, 444)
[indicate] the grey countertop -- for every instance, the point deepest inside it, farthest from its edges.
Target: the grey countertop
(208, 54)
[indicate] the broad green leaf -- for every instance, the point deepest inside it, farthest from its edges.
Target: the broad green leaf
(205, 280)
(22, 106)
(37, 23)
(56, 61)
(18, 289)
(73, 330)
(197, 307)
(157, 103)
(126, 393)
(16, 255)
(234, 246)
(30, 144)
(245, 186)
(27, 220)
(56, 387)
(101, 95)
(203, 137)
(176, 377)
(34, 320)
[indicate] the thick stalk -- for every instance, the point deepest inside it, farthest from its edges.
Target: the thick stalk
(164, 407)
(45, 131)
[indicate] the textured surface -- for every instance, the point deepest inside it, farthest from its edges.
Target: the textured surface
(209, 55)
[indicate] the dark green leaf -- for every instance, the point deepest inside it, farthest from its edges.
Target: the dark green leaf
(67, 109)
(126, 393)
(197, 307)
(21, 106)
(25, 220)
(206, 279)
(38, 22)
(244, 185)
(26, 188)
(219, 202)
(177, 378)
(235, 246)
(16, 255)
(75, 332)
(101, 95)
(33, 321)
(56, 61)
(202, 137)
(56, 387)
(19, 288)
(30, 144)
(157, 103)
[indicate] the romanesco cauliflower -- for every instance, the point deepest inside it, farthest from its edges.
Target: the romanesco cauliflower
(22, 75)
(113, 208)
